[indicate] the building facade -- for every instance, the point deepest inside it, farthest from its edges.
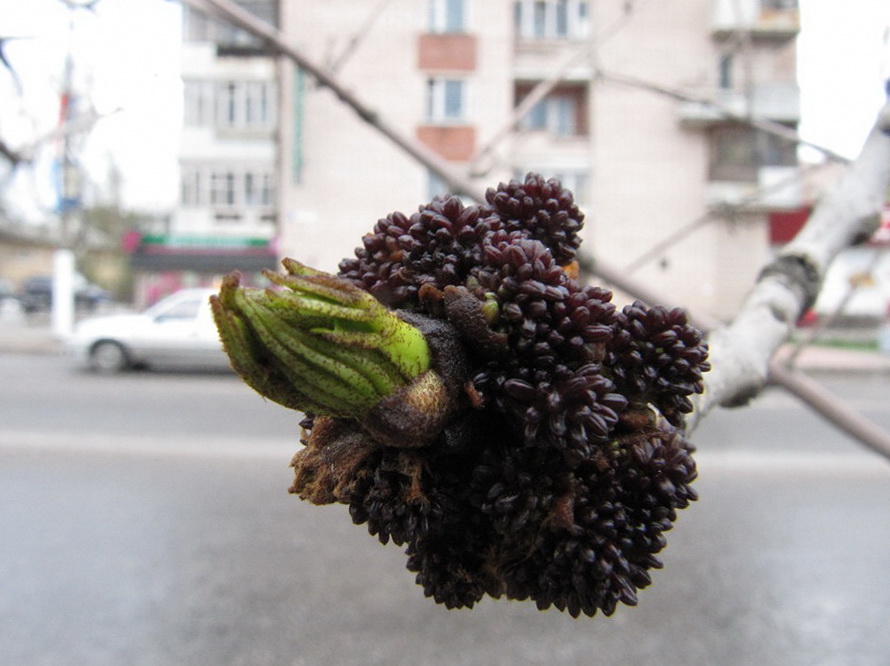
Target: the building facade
(226, 217)
(614, 92)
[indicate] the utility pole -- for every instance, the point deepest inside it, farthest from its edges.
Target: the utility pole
(62, 313)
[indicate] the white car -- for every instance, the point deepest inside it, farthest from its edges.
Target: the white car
(177, 331)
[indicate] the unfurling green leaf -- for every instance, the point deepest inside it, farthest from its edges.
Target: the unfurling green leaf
(317, 343)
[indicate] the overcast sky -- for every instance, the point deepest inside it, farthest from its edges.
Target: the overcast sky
(128, 54)
(843, 61)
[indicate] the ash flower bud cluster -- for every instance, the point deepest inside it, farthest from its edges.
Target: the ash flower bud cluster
(537, 453)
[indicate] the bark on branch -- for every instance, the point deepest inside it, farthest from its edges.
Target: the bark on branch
(848, 214)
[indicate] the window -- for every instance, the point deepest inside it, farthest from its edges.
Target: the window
(738, 152)
(198, 102)
(446, 100)
(264, 10)
(250, 198)
(576, 180)
(222, 188)
(190, 187)
(234, 104)
(198, 27)
(267, 189)
(562, 112)
(435, 186)
(780, 5)
(187, 309)
(551, 19)
(773, 151)
(230, 39)
(257, 104)
(724, 71)
(227, 104)
(733, 155)
(447, 16)
(554, 114)
(259, 189)
(226, 187)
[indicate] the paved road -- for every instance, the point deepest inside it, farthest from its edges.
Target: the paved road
(143, 520)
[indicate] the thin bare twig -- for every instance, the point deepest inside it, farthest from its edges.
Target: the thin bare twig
(358, 37)
(763, 124)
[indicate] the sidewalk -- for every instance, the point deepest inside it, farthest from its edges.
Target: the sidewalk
(30, 336)
(837, 359)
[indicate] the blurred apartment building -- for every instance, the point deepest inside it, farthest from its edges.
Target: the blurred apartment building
(642, 162)
(226, 217)
(623, 124)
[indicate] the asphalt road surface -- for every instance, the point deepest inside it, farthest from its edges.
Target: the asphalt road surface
(144, 520)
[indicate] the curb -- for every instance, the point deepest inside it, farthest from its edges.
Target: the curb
(25, 340)
(837, 360)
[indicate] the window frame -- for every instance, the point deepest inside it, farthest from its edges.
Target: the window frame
(562, 113)
(737, 153)
(437, 102)
(544, 20)
(226, 186)
(441, 17)
(231, 104)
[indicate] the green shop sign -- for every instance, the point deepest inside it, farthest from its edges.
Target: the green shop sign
(204, 242)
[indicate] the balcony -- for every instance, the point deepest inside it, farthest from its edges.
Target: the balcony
(546, 152)
(450, 52)
(456, 143)
(778, 101)
(776, 188)
(537, 60)
(229, 40)
(764, 20)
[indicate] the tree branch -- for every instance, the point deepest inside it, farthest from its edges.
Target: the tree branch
(826, 321)
(13, 156)
(850, 213)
